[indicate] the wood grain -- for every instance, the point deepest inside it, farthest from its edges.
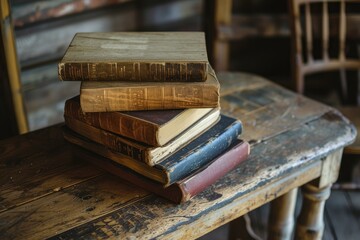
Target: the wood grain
(36, 44)
(73, 206)
(37, 11)
(265, 108)
(104, 207)
(341, 205)
(262, 162)
(34, 174)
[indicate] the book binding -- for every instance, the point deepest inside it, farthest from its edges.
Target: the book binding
(184, 189)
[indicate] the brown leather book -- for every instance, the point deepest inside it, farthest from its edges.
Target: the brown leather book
(130, 96)
(155, 128)
(137, 150)
(182, 190)
(135, 57)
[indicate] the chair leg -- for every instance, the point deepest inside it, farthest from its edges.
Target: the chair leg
(310, 224)
(281, 219)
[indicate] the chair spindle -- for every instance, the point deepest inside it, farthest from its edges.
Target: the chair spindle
(325, 31)
(308, 26)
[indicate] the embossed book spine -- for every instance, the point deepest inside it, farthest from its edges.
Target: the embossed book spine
(121, 96)
(133, 71)
(115, 122)
(184, 189)
(112, 141)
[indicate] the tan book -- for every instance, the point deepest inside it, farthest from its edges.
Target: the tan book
(135, 56)
(137, 150)
(128, 96)
(155, 128)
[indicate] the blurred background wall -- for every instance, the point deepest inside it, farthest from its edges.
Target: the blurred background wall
(44, 29)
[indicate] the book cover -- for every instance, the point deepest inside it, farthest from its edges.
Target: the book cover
(130, 96)
(182, 163)
(155, 128)
(137, 150)
(135, 57)
(184, 189)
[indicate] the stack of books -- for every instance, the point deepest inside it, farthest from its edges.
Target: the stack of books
(149, 111)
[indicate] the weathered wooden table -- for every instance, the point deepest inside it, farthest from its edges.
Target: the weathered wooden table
(46, 192)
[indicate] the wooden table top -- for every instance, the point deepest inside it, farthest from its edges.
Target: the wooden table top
(46, 192)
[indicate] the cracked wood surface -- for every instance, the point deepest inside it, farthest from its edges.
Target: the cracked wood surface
(46, 192)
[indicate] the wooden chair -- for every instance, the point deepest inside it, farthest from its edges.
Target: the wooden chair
(303, 35)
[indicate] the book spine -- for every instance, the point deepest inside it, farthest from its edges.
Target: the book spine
(99, 150)
(134, 72)
(109, 140)
(215, 170)
(184, 190)
(114, 122)
(135, 98)
(202, 155)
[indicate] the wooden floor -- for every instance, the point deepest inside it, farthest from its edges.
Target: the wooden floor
(342, 218)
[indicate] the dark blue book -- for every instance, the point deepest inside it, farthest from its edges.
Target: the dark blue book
(182, 163)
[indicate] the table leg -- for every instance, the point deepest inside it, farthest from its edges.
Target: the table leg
(310, 223)
(281, 219)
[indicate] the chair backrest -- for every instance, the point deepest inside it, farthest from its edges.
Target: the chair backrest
(304, 61)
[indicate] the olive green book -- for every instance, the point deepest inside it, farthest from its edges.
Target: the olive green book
(135, 57)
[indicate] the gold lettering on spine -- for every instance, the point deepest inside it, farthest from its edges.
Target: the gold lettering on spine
(163, 98)
(81, 72)
(110, 75)
(75, 73)
(162, 72)
(116, 70)
(144, 102)
(133, 73)
(137, 97)
(88, 71)
(173, 96)
(122, 71)
(188, 96)
(92, 75)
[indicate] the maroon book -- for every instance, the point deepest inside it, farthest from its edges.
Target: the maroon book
(185, 189)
